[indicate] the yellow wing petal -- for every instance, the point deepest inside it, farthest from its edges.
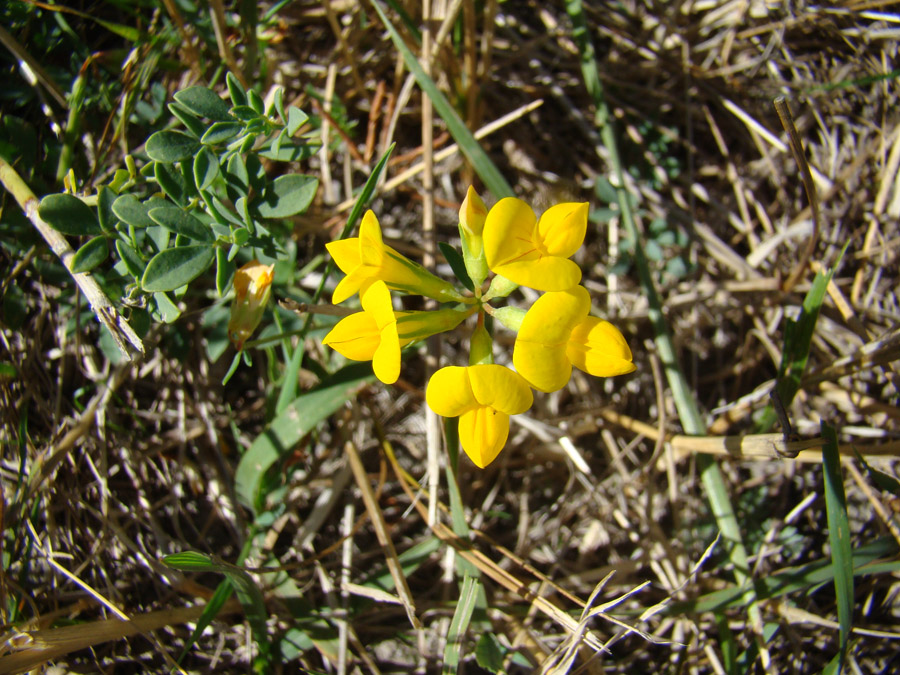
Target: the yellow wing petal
(500, 388)
(449, 393)
(599, 348)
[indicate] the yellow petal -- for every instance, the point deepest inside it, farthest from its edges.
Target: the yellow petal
(500, 388)
(449, 393)
(541, 273)
(545, 367)
(376, 301)
(356, 337)
(386, 361)
(482, 434)
(508, 234)
(540, 352)
(345, 253)
(371, 246)
(599, 348)
(356, 280)
(561, 228)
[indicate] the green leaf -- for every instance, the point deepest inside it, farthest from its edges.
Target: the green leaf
(236, 90)
(248, 592)
(296, 119)
(130, 257)
(69, 215)
(884, 481)
(171, 181)
(204, 103)
(105, 199)
(132, 212)
(286, 152)
(213, 607)
(256, 102)
(457, 264)
(224, 271)
(797, 339)
(489, 653)
(195, 126)
(468, 594)
(287, 196)
(206, 168)
(175, 267)
(181, 222)
(166, 310)
(190, 561)
(171, 146)
(91, 254)
(838, 534)
(221, 132)
(469, 146)
(297, 419)
(278, 104)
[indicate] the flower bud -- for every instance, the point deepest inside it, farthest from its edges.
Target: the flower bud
(252, 288)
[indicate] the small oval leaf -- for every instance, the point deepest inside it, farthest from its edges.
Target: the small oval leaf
(181, 222)
(206, 168)
(69, 215)
(129, 210)
(287, 196)
(130, 257)
(296, 119)
(90, 255)
(221, 132)
(203, 102)
(176, 267)
(171, 181)
(105, 199)
(171, 146)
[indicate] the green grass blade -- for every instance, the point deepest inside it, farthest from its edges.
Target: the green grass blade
(797, 338)
(460, 623)
(795, 580)
(484, 167)
(839, 535)
(248, 592)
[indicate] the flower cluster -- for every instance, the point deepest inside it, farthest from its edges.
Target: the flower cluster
(556, 333)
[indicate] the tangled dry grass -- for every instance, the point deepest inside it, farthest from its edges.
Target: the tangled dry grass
(108, 467)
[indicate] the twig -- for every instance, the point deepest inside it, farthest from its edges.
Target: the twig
(104, 310)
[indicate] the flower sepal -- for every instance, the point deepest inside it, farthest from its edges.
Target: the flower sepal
(500, 287)
(252, 289)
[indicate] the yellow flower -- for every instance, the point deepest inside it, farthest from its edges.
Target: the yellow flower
(366, 259)
(557, 333)
(371, 334)
(483, 397)
(532, 252)
(252, 288)
(378, 333)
